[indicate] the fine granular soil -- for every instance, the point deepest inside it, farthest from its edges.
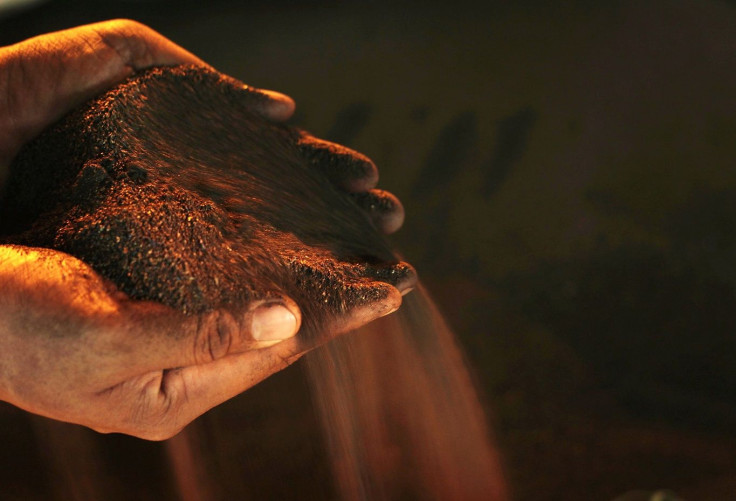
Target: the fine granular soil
(173, 188)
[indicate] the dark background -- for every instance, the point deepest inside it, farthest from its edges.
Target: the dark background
(569, 179)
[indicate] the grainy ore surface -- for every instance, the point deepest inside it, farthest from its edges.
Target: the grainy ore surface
(172, 188)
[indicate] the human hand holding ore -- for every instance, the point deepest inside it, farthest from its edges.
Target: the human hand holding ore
(166, 248)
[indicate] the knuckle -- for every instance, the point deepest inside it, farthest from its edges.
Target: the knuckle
(157, 413)
(128, 39)
(154, 406)
(215, 335)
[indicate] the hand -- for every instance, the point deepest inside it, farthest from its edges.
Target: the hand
(76, 349)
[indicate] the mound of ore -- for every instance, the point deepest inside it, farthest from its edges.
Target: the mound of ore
(174, 189)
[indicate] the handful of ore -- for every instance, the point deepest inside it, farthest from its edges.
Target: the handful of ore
(174, 189)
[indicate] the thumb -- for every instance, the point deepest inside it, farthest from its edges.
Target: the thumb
(170, 399)
(163, 338)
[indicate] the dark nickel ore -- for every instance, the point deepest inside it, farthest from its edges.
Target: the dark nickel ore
(171, 187)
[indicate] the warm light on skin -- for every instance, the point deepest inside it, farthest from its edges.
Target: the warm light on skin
(77, 350)
(37, 275)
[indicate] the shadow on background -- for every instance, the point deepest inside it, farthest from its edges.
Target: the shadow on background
(568, 174)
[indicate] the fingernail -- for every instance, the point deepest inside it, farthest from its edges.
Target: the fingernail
(389, 310)
(280, 106)
(273, 322)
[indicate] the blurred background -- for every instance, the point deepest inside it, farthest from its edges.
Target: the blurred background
(569, 174)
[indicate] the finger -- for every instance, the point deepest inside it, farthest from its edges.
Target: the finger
(158, 337)
(400, 275)
(273, 105)
(270, 104)
(175, 398)
(384, 209)
(381, 299)
(346, 168)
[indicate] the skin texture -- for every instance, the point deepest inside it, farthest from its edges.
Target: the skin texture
(77, 349)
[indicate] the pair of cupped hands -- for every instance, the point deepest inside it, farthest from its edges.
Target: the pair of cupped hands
(74, 348)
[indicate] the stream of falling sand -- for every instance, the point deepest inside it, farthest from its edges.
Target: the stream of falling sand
(399, 413)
